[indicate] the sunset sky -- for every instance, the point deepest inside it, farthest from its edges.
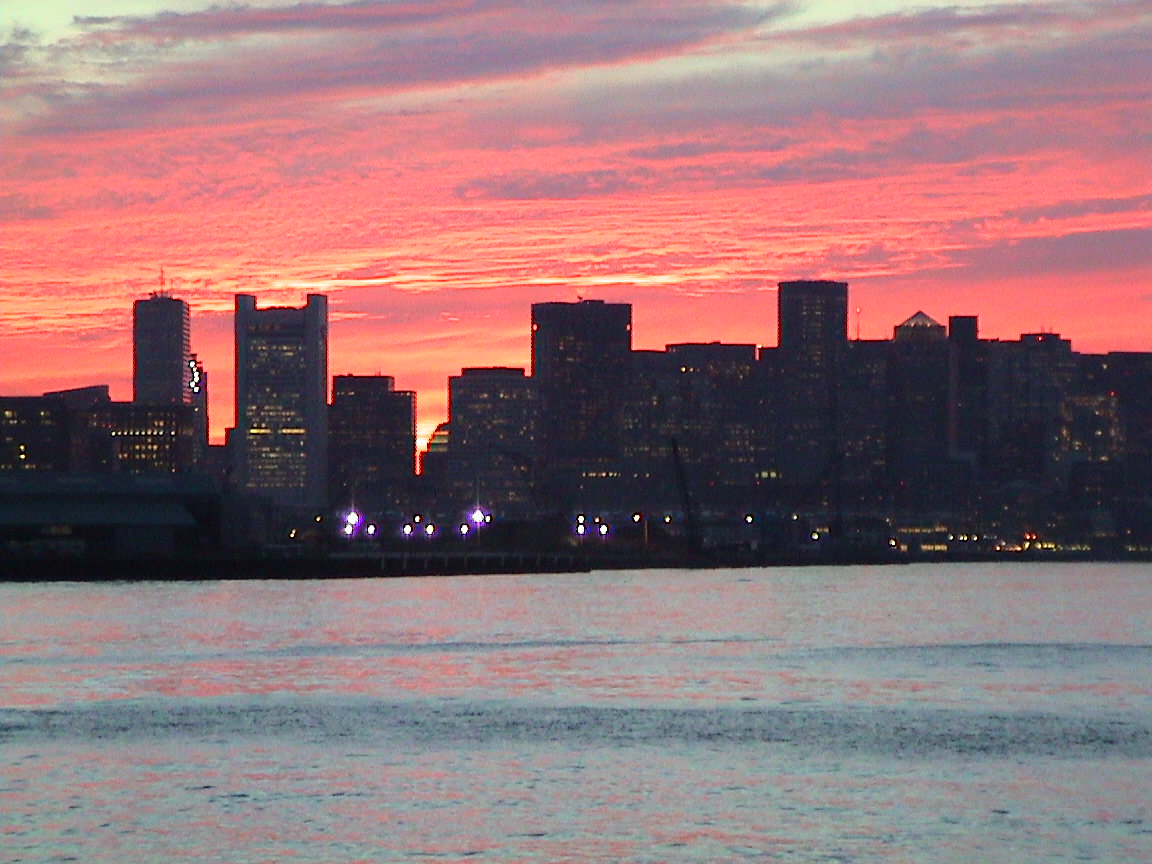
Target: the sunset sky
(436, 166)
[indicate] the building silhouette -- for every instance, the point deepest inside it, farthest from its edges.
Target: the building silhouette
(581, 361)
(918, 413)
(162, 369)
(492, 414)
(281, 434)
(371, 442)
(813, 339)
(83, 431)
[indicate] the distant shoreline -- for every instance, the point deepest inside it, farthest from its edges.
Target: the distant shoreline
(400, 564)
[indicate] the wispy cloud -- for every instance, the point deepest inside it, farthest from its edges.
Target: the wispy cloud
(140, 71)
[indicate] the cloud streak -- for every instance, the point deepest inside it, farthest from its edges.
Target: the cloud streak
(142, 71)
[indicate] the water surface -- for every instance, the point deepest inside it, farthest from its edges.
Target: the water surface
(917, 713)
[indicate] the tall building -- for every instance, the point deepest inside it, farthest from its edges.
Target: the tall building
(715, 429)
(581, 357)
(1028, 381)
(281, 435)
(161, 351)
(863, 423)
(813, 319)
(918, 412)
(371, 442)
(813, 340)
(491, 451)
(968, 402)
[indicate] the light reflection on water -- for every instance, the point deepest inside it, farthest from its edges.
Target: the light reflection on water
(860, 714)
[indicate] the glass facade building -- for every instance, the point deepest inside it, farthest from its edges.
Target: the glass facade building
(281, 431)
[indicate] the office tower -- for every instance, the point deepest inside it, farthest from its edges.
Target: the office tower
(1028, 381)
(651, 401)
(138, 438)
(918, 399)
(491, 451)
(863, 426)
(1129, 376)
(968, 383)
(813, 338)
(715, 424)
(581, 357)
(161, 351)
(281, 431)
(371, 442)
(813, 319)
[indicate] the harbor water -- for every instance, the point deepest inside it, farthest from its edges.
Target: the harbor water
(919, 713)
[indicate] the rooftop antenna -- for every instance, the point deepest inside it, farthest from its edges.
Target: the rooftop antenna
(858, 311)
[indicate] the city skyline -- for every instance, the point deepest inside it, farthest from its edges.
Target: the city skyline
(426, 425)
(436, 169)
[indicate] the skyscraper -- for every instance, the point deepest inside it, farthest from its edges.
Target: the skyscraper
(161, 351)
(281, 431)
(371, 442)
(918, 413)
(813, 340)
(492, 412)
(813, 320)
(581, 356)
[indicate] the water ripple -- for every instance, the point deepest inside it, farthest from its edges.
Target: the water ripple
(912, 733)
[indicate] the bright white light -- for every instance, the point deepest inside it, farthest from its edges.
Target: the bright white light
(463, 529)
(371, 530)
(407, 529)
(478, 516)
(353, 518)
(348, 529)
(581, 529)
(603, 530)
(429, 529)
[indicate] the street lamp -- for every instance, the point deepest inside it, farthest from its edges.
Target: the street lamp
(638, 518)
(352, 521)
